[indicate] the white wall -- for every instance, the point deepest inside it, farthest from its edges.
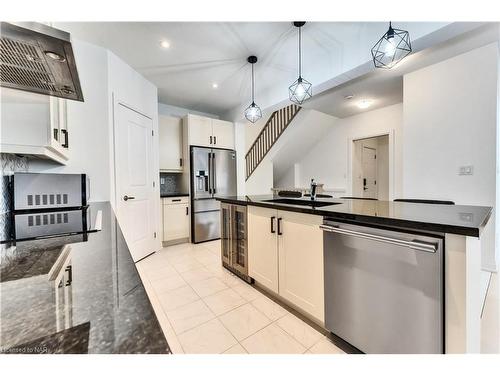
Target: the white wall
(450, 120)
(87, 124)
(279, 164)
(174, 111)
(329, 161)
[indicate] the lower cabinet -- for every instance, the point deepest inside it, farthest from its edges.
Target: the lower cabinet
(263, 246)
(285, 254)
(175, 218)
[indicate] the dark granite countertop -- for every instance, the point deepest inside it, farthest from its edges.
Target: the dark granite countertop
(67, 295)
(171, 195)
(455, 219)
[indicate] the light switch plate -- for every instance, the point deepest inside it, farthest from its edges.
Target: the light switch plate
(466, 170)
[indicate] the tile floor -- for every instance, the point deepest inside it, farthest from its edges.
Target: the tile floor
(203, 308)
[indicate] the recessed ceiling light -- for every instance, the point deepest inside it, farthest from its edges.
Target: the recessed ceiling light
(165, 44)
(215, 85)
(350, 96)
(365, 103)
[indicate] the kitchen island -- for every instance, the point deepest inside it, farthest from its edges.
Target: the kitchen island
(287, 238)
(76, 294)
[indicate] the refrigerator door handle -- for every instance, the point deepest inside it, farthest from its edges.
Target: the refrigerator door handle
(214, 176)
(210, 179)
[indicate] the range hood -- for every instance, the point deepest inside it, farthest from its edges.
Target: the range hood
(38, 58)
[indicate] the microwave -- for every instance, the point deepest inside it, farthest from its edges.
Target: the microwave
(49, 191)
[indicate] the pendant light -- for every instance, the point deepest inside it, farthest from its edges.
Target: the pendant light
(393, 47)
(253, 112)
(301, 89)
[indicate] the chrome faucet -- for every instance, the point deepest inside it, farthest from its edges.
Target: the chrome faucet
(313, 189)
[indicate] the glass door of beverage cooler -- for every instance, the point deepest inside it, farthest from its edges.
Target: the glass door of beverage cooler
(225, 233)
(239, 247)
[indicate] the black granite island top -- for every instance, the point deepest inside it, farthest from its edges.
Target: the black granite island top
(455, 219)
(67, 295)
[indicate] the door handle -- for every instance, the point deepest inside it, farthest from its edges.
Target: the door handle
(215, 140)
(272, 224)
(279, 227)
(210, 139)
(126, 198)
(214, 176)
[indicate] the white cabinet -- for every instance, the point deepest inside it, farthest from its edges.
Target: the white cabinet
(199, 130)
(34, 125)
(170, 144)
(263, 246)
(207, 132)
(300, 247)
(285, 255)
(175, 218)
(223, 134)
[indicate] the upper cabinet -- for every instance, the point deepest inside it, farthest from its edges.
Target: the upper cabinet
(170, 144)
(223, 133)
(34, 125)
(207, 132)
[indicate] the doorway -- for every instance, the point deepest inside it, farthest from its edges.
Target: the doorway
(370, 177)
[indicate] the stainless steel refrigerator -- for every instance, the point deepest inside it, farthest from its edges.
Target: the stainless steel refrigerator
(213, 174)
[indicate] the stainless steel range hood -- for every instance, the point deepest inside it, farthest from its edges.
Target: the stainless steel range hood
(38, 58)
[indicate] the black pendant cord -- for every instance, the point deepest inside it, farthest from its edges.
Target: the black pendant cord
(300, 52)
(253, 84)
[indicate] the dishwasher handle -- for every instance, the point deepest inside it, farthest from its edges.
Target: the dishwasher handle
(413, 244)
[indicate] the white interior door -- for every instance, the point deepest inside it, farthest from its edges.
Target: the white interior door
(134, 180)
(369, 172)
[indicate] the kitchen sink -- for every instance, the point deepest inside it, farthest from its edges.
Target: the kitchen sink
(302, 202)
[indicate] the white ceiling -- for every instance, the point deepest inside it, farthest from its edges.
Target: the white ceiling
(385, 87)
(381, 90)
(204, 53)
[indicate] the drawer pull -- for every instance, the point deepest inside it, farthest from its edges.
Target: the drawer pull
(176, 200)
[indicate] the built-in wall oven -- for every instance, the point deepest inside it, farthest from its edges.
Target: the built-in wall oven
(384, 288)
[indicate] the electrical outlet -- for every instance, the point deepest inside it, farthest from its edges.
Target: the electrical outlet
(466, 170)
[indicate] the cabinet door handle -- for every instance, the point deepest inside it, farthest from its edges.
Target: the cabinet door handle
(65, 133)
(272, 224)
(279, 227)
(69, 270)
(176, 200)
(215, 140)
(56, 134)
(180, 162)
(187, 210)
(210, 139)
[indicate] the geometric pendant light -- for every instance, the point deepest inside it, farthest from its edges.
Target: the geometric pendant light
(253, 112)
(393, 47)
(301, 89)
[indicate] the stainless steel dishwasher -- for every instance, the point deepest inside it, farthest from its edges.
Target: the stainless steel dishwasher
(384, 288)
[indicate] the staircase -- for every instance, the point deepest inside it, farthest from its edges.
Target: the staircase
(275, 126)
